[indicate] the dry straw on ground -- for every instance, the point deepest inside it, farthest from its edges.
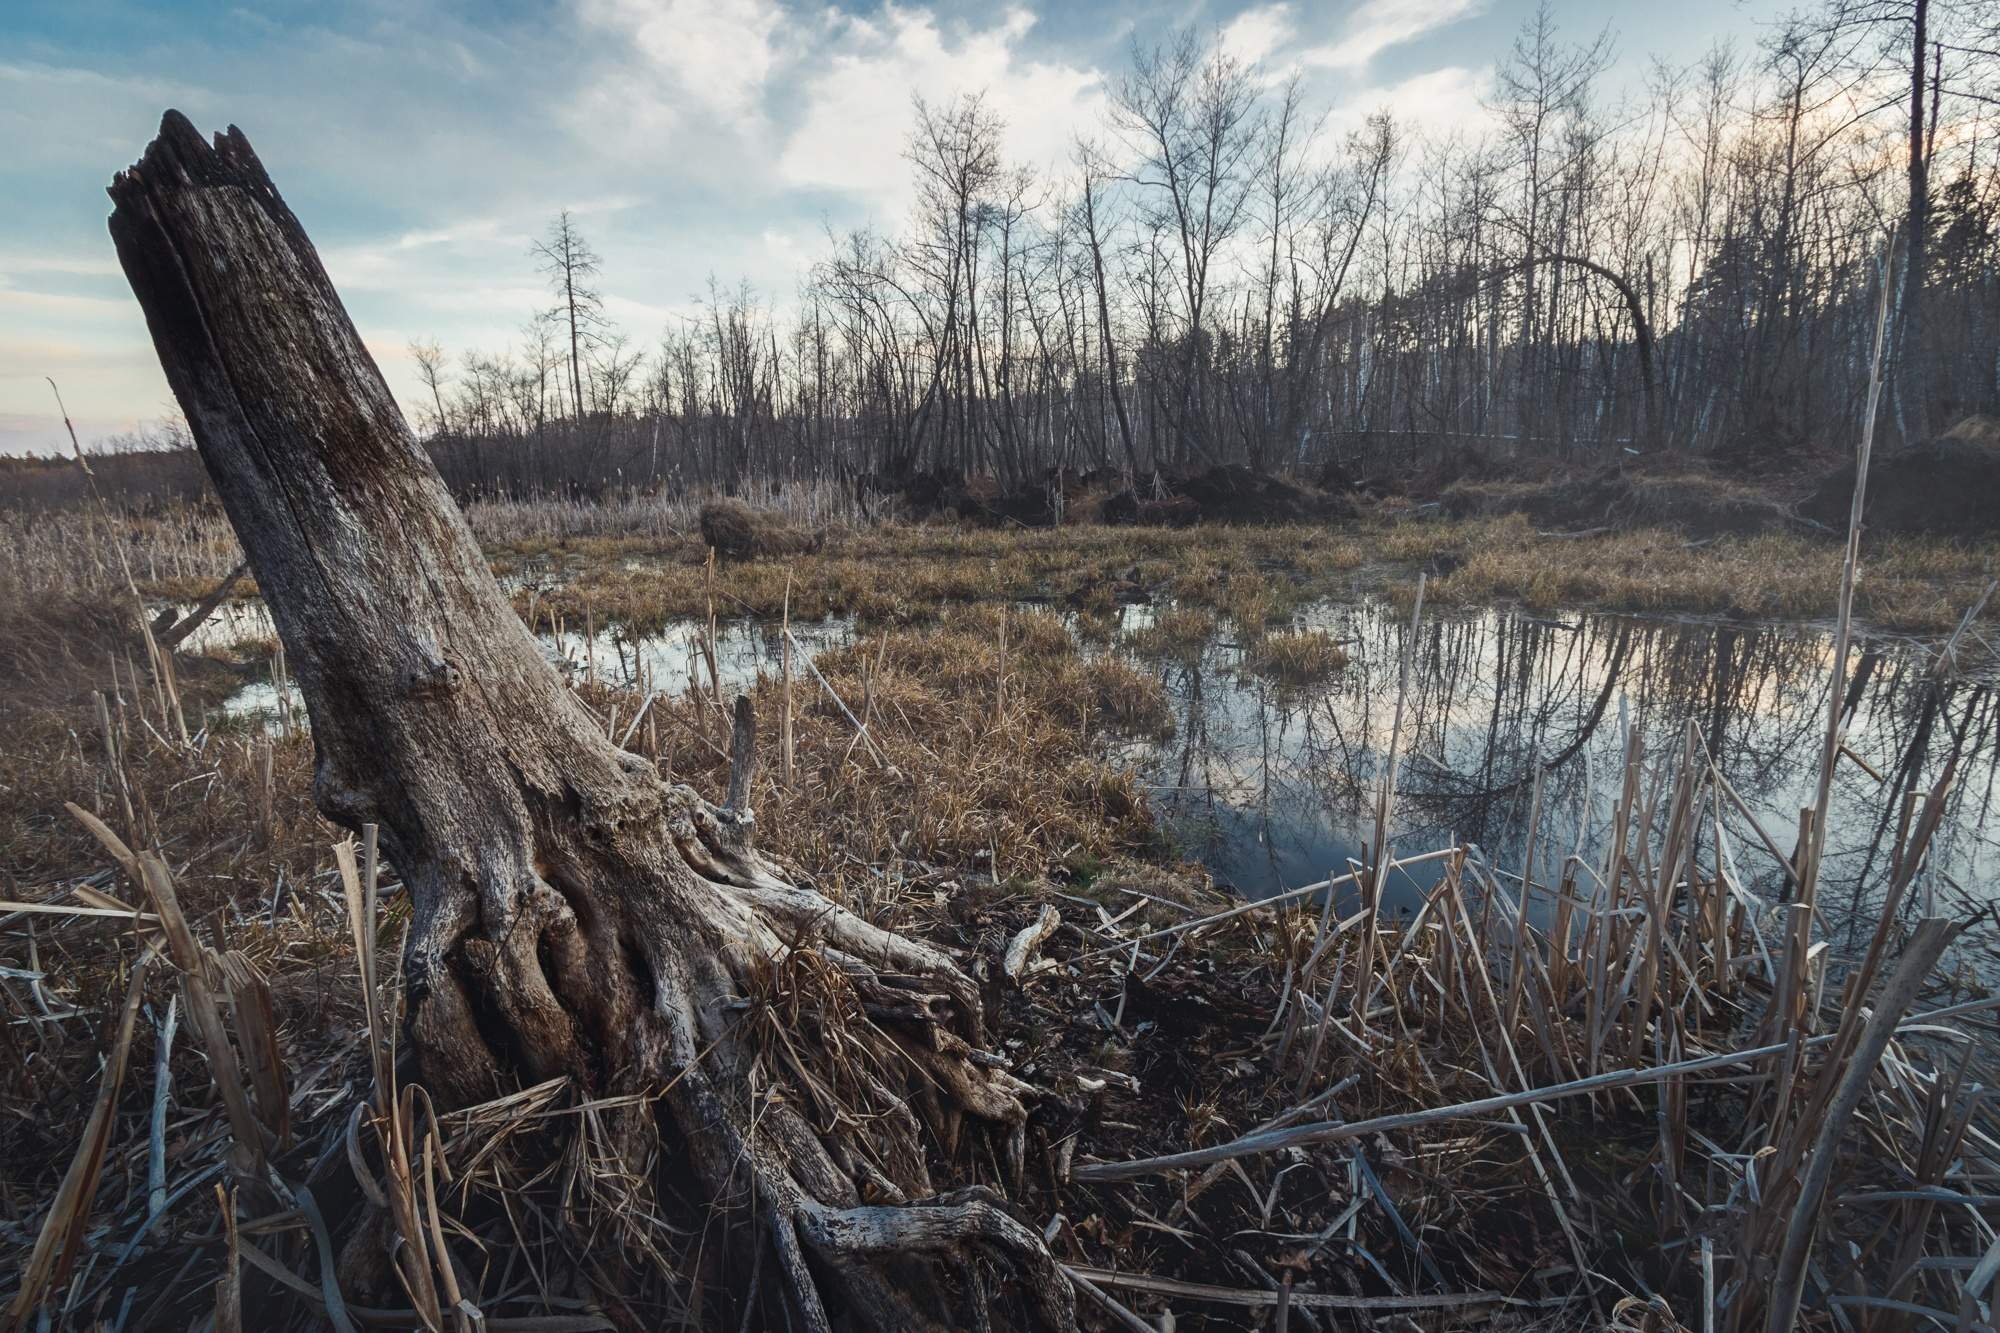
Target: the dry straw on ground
(1618, 1091)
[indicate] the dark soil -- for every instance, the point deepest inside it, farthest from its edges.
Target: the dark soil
(1133, 1065)
(1949, 487)
(1698, 503)
(1228, 493)
(1233, 494)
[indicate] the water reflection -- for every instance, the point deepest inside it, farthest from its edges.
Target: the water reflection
(1273, 789)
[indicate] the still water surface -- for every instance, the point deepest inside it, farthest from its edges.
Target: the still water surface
(1272, 788)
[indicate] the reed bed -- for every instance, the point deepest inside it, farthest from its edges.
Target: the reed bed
(1619, 1091)
(1563, 1093)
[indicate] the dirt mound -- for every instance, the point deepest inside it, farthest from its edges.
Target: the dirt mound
(1231, 493)
(1948, 487)
(948, 493)
(737, 531)
(1127, 509)
(1696, 503)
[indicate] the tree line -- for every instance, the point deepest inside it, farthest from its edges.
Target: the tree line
(1219, 275)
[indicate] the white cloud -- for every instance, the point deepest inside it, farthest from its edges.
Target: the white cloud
(1437, 100)
(1377, 25)
(1256, 34)
(686, 76)
(717, 52)
(425, 151)
(857, 106)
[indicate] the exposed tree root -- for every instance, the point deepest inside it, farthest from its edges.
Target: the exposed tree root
(792, 1038)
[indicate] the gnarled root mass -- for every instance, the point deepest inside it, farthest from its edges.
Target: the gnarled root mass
(809, 1065)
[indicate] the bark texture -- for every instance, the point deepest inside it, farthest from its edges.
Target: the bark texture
(574, 914)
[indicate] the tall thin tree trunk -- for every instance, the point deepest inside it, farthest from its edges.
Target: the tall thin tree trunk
(1914, 380)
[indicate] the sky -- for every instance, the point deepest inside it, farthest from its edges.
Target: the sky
(425, 144)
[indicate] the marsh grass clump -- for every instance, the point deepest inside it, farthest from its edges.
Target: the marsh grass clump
(1130, 700)
(736, 531)
(1178, 631)
(1295, 658)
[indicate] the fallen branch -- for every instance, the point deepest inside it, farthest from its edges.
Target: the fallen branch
(1333, 1131)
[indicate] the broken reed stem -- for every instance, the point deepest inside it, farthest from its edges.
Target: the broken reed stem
(1264, 904)
(1933, 935)
(163, 1091)
(708, 655)
(267, 788)
(1334, 1131)
(1371, 903)
(785, 680)
(62, 1232)
(1000, 676)
(1843, 636)
(1517, 960)
(861, 731)
(162, 663)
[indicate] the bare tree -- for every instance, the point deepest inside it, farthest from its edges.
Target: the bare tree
(571, 265)
(430, 370)
(1207, 284)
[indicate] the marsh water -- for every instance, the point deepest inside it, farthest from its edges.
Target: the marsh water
(1271, 788)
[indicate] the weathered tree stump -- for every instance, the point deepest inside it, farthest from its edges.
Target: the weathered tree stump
(573, 914)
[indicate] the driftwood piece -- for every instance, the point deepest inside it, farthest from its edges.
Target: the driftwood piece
(574, 914)
(1021, 949)
(169, 631)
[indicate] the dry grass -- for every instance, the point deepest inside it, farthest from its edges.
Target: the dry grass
(983, 763)
(1911, 584)
(1296, 658)
(641, 563)
(960, 778)
(1178, 631)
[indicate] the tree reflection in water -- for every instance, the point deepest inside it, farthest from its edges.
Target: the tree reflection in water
(1272, 788)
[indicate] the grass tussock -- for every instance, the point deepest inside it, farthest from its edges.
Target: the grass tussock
(736, 531)
(1296, 658)
(1177, 631)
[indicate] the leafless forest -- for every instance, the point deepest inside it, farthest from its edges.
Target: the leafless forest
(1223, 274)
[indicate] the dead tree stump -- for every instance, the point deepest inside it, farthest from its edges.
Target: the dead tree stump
(573, 914)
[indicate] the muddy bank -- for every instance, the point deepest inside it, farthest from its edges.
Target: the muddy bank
(1700, 504)
(1949, 487)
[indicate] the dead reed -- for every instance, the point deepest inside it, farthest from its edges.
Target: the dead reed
(1620, 1090)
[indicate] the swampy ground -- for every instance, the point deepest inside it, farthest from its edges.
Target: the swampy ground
(1258, 576)
(963, 731)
